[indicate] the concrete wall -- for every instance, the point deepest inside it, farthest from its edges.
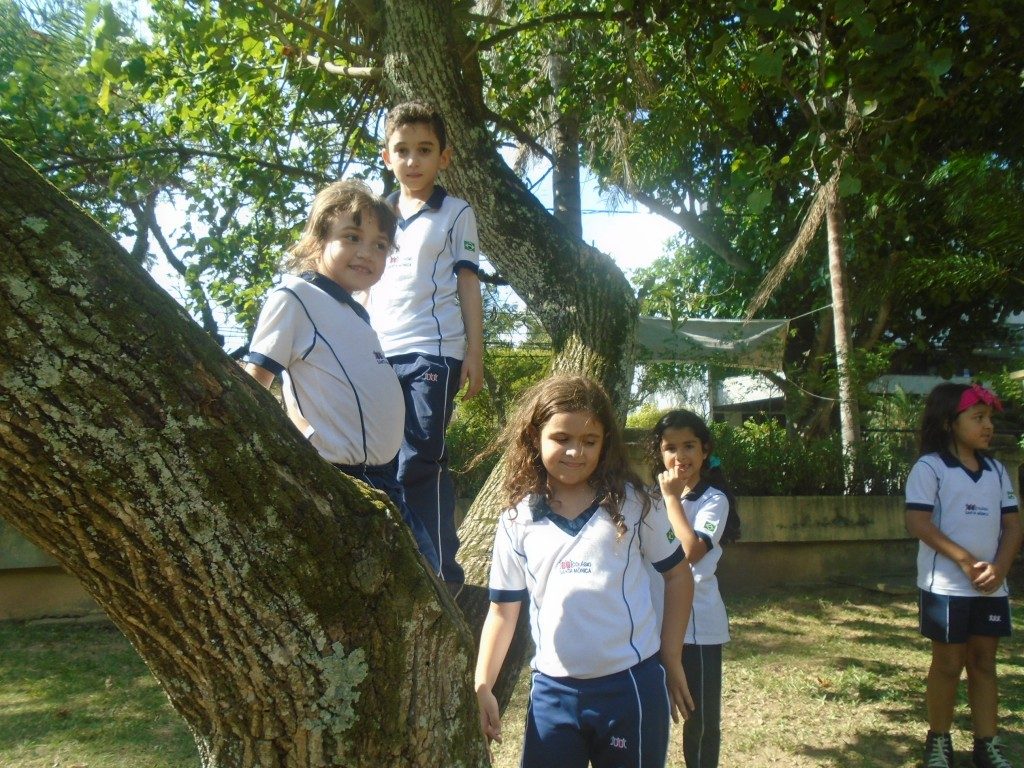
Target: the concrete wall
(816, 539)
(32, 585)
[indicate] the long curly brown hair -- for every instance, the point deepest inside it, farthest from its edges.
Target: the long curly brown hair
(519, 441)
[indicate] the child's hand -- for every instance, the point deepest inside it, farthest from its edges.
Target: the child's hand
(472, 375)
(986, 577)
(972, 569)
(490, 719)
(678, 691)
(671, 483)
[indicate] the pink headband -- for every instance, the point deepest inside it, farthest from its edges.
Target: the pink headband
(977, 394)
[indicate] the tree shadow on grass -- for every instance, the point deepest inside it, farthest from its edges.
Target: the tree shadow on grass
(83, 687)
(869, 749)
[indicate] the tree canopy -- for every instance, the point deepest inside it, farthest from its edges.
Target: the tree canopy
(725, 117)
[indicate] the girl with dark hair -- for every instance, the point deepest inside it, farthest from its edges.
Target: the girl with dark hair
(962, 507)
(703, 515)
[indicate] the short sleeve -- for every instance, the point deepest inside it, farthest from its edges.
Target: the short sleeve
(709, 521)
(660, 546)
(922, 487)
(508, 564)
(1009, 504)
(465, 241)
(282, 323)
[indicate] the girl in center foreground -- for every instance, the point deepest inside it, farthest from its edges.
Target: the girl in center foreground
(573, 538)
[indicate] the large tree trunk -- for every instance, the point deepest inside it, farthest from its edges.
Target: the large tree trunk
(578, 293)
(281, 605)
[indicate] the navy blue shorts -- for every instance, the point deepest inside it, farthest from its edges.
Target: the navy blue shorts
(953, 619)
(616, 721)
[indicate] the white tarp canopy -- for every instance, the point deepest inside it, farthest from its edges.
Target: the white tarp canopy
(735, 343)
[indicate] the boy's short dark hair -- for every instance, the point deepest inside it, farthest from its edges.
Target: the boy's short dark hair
(409, 112)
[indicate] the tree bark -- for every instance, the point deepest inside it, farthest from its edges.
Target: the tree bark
(281, 605)
(565, 149)
(849, 419)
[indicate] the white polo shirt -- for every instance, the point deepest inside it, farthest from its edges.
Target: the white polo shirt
(335, 375)
(968, 508)
(590, 596)
(706, 508)
(415, 306)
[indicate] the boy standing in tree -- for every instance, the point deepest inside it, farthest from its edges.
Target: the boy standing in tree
(429, 315)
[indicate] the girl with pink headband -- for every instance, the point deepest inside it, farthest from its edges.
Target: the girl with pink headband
(962, 507)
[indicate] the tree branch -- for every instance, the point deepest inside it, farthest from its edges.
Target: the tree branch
(521, 135)
(796, 250)
(366, 73)
(554, 18)
(146, 218)
(694, 227)
(347, 47)
(187, 153)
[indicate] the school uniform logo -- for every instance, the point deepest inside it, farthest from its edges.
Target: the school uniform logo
(568, 566)
(710, 526)
(469, 245)
(975, 509)
(670, 535)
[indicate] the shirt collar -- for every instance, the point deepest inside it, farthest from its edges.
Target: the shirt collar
(434, 203)
(952, 461)
(336, 292)
(539, 507)
(698, 490)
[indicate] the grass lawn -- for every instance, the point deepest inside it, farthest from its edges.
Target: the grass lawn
(78, 695)
(826, 677)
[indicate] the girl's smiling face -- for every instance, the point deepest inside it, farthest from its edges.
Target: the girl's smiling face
(355, 252)
(570, 448)
(683, 450)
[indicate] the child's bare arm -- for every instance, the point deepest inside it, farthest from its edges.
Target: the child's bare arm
(672, 487)
(992, 577)
(495, 638)
(678, 604)
(262, 375)
(920, 525)
(472, 307)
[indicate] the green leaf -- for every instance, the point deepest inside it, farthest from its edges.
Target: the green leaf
(833, 76)
(758, 200)
(768, 63)
(91, 12)
(848, 185)
(136, 69)
(865, 24)
(940, 63)
(103, 100)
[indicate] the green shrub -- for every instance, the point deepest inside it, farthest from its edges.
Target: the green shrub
(763, 459)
